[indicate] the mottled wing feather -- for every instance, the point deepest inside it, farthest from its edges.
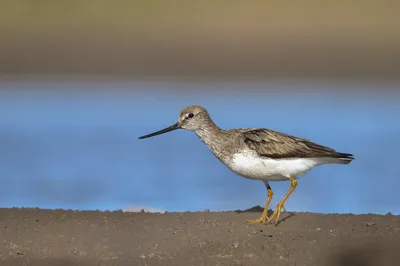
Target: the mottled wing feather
(273, 144)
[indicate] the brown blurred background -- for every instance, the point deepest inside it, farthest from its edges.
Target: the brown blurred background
(150, 38)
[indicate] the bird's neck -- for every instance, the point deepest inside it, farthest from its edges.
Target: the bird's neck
(213, 137)
(208, 132)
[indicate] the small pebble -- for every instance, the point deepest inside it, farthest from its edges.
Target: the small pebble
(369, 224)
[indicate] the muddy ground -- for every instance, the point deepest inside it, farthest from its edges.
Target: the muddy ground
(64, 237)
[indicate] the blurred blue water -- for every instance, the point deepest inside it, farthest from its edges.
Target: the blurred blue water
(76, 147)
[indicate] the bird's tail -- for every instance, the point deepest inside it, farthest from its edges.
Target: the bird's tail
(345, 158)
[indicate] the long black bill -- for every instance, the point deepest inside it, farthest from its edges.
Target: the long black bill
(162, 131)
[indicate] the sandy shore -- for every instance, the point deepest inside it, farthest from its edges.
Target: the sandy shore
(65, 237)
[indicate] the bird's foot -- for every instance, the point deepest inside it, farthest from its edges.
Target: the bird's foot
(262, 219)
(276, 214)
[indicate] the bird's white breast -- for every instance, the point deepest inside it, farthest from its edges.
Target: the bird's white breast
(251, 166)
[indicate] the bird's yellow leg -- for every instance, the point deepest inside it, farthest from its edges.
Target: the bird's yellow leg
(281, 204)
(265, 211)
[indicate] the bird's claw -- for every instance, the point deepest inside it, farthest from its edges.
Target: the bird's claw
(276, 213)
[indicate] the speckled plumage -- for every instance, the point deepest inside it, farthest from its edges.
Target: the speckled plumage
(263, 142)
(257, 153)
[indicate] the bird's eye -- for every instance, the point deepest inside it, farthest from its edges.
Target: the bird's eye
(190, 115)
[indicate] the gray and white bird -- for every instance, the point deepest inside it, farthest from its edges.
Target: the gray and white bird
(258, 153)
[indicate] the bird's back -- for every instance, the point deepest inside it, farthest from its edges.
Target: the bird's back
(276, 145)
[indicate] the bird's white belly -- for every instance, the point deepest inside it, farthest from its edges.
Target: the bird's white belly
(267, 169)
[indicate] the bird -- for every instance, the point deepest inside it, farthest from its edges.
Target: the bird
(257, 153)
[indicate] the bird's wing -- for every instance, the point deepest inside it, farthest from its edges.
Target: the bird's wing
(273, 144)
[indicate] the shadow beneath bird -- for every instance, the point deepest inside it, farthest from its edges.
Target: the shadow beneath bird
(259, 209)
(291, 214)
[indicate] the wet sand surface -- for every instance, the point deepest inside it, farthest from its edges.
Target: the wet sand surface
(64, 237)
